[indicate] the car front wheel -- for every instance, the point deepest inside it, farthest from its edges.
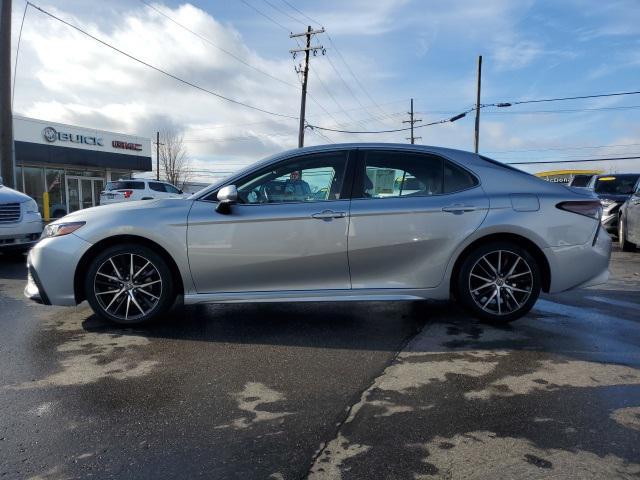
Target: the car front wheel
(499, 282)
(129, 284)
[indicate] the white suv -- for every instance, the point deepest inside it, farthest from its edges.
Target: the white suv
(20, 221)
(137, 189)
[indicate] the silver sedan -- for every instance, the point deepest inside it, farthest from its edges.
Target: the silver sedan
(332, 223)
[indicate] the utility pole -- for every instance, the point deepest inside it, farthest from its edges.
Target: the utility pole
(305, 73)
(6, 117)
(157, 155)
(477, 128)
(412, 121)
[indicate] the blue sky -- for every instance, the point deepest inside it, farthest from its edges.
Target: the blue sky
(397, 49)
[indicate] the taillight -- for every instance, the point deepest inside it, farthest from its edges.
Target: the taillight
(127, 193)
(588, 208)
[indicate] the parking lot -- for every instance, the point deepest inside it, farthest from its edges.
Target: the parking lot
(337, 390)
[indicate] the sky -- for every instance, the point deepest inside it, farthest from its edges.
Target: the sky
(379, 54)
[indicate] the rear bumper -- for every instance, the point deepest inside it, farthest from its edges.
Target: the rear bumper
(575, 266)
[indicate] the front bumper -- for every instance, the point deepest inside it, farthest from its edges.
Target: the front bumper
(584, 265)
(52, 264)
(21, 235)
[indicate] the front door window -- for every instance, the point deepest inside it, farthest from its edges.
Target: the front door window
(308, 179)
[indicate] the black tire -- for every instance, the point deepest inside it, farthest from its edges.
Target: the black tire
(625, 245)
(508, 298)
(143, 288)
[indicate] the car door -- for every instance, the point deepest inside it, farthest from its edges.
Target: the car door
(632, 215)
(288, 230)
(409, 212)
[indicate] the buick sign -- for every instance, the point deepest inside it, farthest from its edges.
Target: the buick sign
(51, 135)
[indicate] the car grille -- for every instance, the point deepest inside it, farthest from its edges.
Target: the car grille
(9, 212)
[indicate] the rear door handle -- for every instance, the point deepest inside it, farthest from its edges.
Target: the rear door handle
(459, 208)
(325, 214)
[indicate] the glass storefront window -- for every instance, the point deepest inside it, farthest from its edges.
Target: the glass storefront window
(120, 175)
(57, 192)
(34, 183)
(86, 173)
(19, 182)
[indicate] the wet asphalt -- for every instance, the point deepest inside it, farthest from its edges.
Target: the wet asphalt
(352, 390)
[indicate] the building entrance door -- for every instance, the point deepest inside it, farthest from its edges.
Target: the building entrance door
(83, 192)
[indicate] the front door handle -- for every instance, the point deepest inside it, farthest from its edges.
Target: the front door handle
(325, 214)
(459, 208)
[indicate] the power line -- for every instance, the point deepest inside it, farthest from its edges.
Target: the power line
(445, 120)
(164, 72)
(559, 99)
(265, 15)
(551, 149)
(205, 39)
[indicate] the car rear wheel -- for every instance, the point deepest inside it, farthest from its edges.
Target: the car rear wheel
(499, 282)
(129, 284)
(625, 245)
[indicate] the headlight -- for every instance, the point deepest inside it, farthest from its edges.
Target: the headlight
(59, 229)
(30, 206)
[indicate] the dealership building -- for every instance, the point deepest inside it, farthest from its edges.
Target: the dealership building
(73, 163)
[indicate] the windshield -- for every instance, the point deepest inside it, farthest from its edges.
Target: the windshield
(616, 184)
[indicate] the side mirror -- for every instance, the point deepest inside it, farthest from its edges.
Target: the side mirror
(227, 196)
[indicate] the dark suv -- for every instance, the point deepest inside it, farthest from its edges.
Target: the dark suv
(613, 190)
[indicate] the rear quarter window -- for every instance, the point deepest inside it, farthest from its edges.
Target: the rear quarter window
(457, 179)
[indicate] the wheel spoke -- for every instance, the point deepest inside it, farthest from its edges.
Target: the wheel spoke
(140, 271)
(481, 278)
(513, 298)
(513, 267)
(493, 295)
(110, 277)
(135, 302)
(115, 269)
(126, 313)
(148, 283)
(108, 292)
(147, 293)
(120, 292)
(488, 284)
(518, 275)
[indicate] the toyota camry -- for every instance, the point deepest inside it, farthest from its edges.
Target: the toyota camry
(332, 223)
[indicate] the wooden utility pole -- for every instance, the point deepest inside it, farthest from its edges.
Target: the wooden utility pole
(477, 128)
(412, 121)
(305, 74)
(7, 171)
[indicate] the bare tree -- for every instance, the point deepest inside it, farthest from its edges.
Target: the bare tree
(174, 158)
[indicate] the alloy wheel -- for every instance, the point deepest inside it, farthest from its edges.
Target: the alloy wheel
(501, 282)
(127, 286)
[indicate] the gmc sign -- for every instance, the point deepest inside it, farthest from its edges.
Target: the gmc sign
(126, 145)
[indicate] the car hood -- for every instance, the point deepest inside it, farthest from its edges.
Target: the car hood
(9, 195)
(621, 198)
(123, 208)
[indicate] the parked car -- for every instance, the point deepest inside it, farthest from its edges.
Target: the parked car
(139, 189)
(629, 222)
(613, 191)
(20, 221)
(581, 180)
(487, 234)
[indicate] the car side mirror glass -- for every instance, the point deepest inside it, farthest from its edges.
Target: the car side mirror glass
(227, 196)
